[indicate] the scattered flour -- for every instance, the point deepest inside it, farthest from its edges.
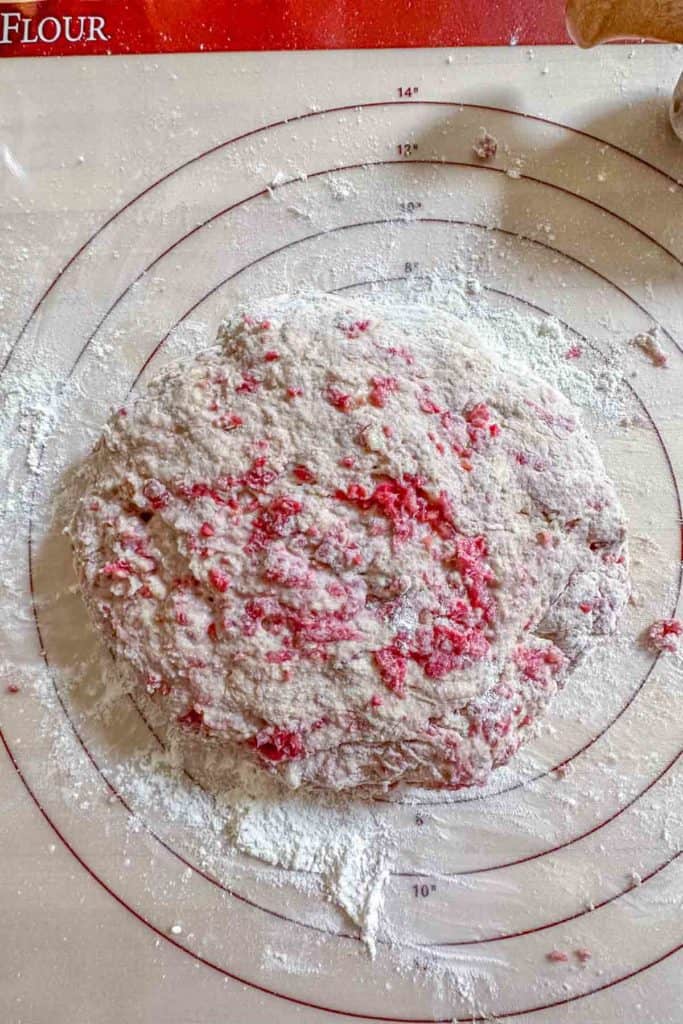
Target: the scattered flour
(305, 835)
(347, 846)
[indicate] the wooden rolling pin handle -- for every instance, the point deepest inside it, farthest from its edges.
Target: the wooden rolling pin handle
(595, 21)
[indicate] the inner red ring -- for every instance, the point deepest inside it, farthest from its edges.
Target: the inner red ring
(561, 1002)
(346, 227)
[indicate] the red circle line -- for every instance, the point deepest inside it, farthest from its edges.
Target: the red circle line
(252, 903)
(75, 256)
(476, 1019)
(302, 117)
(345, 227)
(397, 220)
(156, 349)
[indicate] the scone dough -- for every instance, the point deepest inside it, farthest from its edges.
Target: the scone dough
(351, 544)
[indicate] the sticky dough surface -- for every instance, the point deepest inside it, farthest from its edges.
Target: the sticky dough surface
(352, 546)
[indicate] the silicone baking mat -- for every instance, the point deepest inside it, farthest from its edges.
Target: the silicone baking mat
(143, 196)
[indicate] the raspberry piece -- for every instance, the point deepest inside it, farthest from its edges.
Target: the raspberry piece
(444, 649)
(393, 667)
(273, 521)
(277, 744)
(117, 570)
(382, 388)
(193, 718)
(537, 664)
(257, 476)
(248, 385)
(339, 399)
(355, 329)
(219, 580)
(303, 474)
(664, 634)
(156, 494)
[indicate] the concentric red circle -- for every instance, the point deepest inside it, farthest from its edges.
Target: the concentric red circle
(216, 967)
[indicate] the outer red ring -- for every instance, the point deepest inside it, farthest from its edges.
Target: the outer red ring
(52, 285)
(303, 117)
(302, 1002)
(475, 871)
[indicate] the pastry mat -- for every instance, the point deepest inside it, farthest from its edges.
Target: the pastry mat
(144, 195)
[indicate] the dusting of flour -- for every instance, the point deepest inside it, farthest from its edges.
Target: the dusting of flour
(345, 844)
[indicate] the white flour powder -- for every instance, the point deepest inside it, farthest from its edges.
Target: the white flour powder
(346, 845)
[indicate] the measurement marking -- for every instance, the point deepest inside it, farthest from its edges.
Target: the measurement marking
(321, 113)
(585, 993)
(423, 889)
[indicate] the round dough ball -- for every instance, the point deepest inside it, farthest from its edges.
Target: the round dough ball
(351, 545)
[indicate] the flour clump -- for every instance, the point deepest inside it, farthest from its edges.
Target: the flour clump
(351, 544)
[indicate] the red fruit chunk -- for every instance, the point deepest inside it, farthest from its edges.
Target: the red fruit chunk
(393, 667)
(277, 744)
(273, 521)
(118, 570)
(257, 476)
(479, 426)
(249, 384)
(428, 405)
(155, 684)
(339, 399)
(278, 657)
(355, 329)
(382, 387)
(219, 580)
(663, 635)
(403, 503)
(303, 474)
(191, 719)
(156, 494)
(444, 649)
(537, 664)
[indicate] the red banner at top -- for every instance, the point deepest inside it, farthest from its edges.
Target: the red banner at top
(51, 28)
